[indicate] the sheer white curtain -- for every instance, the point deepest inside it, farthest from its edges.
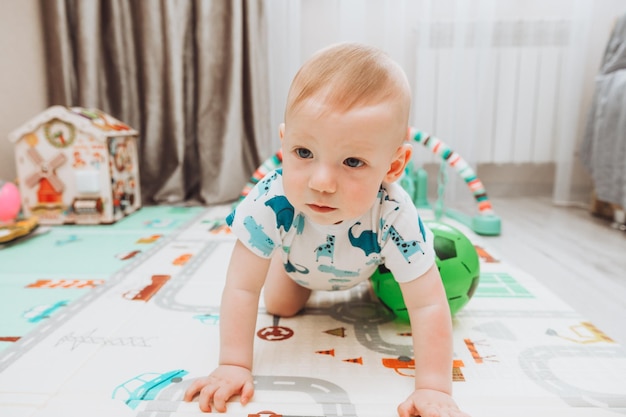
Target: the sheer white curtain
(500, 81)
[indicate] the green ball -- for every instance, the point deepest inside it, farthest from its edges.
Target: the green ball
(458, 264)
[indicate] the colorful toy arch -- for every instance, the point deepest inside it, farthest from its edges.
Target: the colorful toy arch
(486, 222)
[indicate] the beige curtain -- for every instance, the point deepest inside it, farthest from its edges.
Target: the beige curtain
(190, 75)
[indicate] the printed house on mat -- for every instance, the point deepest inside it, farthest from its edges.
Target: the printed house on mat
(77, 165)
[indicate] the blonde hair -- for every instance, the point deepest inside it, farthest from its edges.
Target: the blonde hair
(347, 75)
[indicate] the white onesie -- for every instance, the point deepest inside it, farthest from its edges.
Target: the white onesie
(338, 256)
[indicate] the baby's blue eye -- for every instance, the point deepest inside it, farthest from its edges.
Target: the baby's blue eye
(304, 153)
(353, 162)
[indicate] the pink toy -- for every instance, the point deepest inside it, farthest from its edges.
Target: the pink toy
(9, 202)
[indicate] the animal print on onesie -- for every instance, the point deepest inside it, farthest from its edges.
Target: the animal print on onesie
(338, 256)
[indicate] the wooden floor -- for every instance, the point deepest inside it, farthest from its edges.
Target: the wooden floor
(578, 256)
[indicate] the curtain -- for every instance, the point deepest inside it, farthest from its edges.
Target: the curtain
(500, 81)
(191, 76)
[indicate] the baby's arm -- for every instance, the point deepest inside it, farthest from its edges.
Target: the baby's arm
(238, 312)
(431, 325)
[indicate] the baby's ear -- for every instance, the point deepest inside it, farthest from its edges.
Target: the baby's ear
(281, 131)
(401, 158)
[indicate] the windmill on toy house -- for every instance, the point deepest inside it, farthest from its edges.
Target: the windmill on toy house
(77, 165)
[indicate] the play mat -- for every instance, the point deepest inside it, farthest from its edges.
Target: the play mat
(118, 320)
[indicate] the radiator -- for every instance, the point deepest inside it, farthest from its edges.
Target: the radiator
(491, 89)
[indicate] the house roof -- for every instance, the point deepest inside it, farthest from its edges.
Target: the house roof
(95, 122)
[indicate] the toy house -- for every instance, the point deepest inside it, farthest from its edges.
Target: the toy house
(77, 165)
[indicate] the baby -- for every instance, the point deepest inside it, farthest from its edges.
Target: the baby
(334, 205)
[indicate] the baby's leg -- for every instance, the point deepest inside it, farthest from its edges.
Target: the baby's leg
(283, 296)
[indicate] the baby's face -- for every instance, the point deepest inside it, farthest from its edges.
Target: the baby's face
(335, 162)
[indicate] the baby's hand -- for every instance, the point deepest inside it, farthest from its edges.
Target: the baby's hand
(222, 384)
(430, 403)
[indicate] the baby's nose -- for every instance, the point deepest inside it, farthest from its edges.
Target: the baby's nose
(323, 180)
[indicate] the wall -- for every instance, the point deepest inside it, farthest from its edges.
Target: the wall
(22, 76)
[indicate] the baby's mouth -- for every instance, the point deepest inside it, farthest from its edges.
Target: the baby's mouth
(320, 208)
